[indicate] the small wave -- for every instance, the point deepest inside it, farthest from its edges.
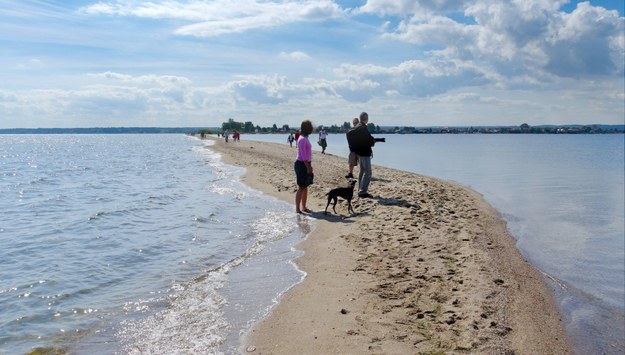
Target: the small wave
(228, 191)
(161, 200)
(37, 180)
(57, 198)
(201, 219)
(191, 322)
(97, 215)
(274, 225)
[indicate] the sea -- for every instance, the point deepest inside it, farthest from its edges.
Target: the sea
(150, 244)
(135, 244)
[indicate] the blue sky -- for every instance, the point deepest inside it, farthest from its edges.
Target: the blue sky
(179, 63)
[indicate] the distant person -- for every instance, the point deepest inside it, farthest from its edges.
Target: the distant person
(353, 158)
(360, 142)
(236, 136)
(303, 167)
(322, 140)
(290, 139)
(226, 135)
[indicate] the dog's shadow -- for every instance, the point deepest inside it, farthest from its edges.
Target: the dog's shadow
(336, 218)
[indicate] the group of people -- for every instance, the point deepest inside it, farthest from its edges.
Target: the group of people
(236, 136)
(360, 144)
(323, 135)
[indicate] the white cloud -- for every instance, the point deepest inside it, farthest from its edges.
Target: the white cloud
(220, 17)
(589, 41)
(261, 89)
(411, 78)
(149, 80)
(295, 56)
(438, 29)
(32, 63)
(411, 7)
(522, 40)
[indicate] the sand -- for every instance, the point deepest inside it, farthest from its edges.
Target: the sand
(425, 267)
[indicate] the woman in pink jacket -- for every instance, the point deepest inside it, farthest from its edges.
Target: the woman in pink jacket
(303, 167)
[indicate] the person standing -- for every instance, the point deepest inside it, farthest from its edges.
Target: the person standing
(322, 140)
(361, 141)
(353, 158)
(290, 139)
(303, 167)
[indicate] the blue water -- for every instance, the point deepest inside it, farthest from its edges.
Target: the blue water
(134, 244)
(563, 199)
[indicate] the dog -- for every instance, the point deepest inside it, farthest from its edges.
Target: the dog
(346, 193)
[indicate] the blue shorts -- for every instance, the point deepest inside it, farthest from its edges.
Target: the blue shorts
(301, 173)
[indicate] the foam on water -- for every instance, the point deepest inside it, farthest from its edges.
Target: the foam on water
(201, 314)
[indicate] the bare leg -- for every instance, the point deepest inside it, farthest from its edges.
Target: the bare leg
(298, 199)
(304, 198)
(301, 196)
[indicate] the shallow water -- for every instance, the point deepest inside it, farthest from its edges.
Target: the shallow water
(134, 244)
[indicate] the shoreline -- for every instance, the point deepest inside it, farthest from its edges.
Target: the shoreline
(425, 266)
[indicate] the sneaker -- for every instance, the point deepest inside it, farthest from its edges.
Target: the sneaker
(365, 195)
(349, 176)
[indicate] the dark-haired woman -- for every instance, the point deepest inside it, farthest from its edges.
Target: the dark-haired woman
(303, 167)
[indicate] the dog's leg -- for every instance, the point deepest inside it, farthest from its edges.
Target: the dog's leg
(328, 204)
(336, 199)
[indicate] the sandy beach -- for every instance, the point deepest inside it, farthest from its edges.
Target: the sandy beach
(425, 267)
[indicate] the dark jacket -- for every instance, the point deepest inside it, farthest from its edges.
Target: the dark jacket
(360, 140)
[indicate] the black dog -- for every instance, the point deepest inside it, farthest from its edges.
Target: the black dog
(344, 192)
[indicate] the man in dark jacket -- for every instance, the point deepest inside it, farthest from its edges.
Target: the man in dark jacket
(360, 142)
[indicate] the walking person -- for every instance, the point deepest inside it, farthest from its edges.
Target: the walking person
(353, 158)
(360, 141)
(290, 139)
(303, 167)
(323, 140)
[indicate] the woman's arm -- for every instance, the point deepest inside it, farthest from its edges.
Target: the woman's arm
(309, 168)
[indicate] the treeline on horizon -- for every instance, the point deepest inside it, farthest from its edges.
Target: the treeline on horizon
(249, 127)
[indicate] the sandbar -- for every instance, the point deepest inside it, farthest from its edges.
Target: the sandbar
(424, 267)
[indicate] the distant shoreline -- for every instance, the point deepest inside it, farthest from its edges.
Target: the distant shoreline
(543, 129)
(103, 130)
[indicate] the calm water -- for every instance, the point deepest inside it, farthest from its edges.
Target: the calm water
(134, 244)
(563, 199)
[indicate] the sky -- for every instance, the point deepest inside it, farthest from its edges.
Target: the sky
(175, 63)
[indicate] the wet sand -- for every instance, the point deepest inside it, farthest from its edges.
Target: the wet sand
(426, 266)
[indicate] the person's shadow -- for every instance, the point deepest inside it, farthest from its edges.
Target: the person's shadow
(394, 202)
